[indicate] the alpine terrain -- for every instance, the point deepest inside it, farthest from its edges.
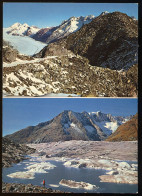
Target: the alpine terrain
(69, 125)
(49, 34)
(126, 132)
(78, 60)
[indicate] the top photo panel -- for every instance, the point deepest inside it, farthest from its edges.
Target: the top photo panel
(70, 50)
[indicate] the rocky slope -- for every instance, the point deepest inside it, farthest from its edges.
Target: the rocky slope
(13, 153)
(26, 188)
(126, 132)
(10, 54)
(69, 125)
(69, 74)
(116, 48)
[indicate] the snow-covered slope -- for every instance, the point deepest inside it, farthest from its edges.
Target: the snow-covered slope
(25, 45)
(107, 122)
(67, 27)
(73, 24)
(22, 29)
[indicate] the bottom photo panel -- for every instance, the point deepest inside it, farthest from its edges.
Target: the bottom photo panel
(70, 145)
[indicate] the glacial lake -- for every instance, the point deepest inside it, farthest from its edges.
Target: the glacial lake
(60, 172)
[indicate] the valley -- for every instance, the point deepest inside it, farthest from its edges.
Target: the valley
(74, 152)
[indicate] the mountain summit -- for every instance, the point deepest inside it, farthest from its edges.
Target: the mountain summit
(69, 125)
(67, 27)
(22, 29)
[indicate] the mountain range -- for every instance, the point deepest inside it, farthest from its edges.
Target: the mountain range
(69, 125)
(50, 34)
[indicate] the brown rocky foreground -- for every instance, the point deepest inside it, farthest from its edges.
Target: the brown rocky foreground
(26, 188)
(13, 153)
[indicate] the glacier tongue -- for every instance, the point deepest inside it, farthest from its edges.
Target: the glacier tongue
(25, 45)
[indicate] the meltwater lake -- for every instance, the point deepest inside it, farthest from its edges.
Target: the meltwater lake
(55, 175)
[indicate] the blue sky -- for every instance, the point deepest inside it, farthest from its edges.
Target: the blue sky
(19, 113)
(52, 14)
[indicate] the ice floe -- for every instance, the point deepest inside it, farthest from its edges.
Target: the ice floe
(40, 167)
(74, 184)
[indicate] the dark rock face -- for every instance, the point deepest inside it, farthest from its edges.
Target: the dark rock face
(108, 41)
(26, 188)
(44, 34)
(13, 153)
(111, 41)
(126, 132)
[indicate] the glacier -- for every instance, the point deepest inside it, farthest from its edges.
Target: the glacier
(25, 45)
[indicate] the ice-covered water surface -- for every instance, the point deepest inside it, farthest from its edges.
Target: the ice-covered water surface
(56, 171)
(25, 45)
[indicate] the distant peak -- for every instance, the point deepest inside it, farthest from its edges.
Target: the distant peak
(133, 18)
(25, 25)
(97, 113)
(104, 13)
(66, 111)
(89, 17)
(16, 24)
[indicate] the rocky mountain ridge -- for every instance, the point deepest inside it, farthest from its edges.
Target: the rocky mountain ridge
(69, 125)
(126, 132)
(116, 48)
(67, 27)
(50, 34)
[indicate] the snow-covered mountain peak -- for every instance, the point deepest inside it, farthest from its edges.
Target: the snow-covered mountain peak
(22, 29)
(15, 25)
(104, 13)
(25, 25)
(96, 113)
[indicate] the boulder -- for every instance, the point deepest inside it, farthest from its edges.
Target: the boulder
(9, 54)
